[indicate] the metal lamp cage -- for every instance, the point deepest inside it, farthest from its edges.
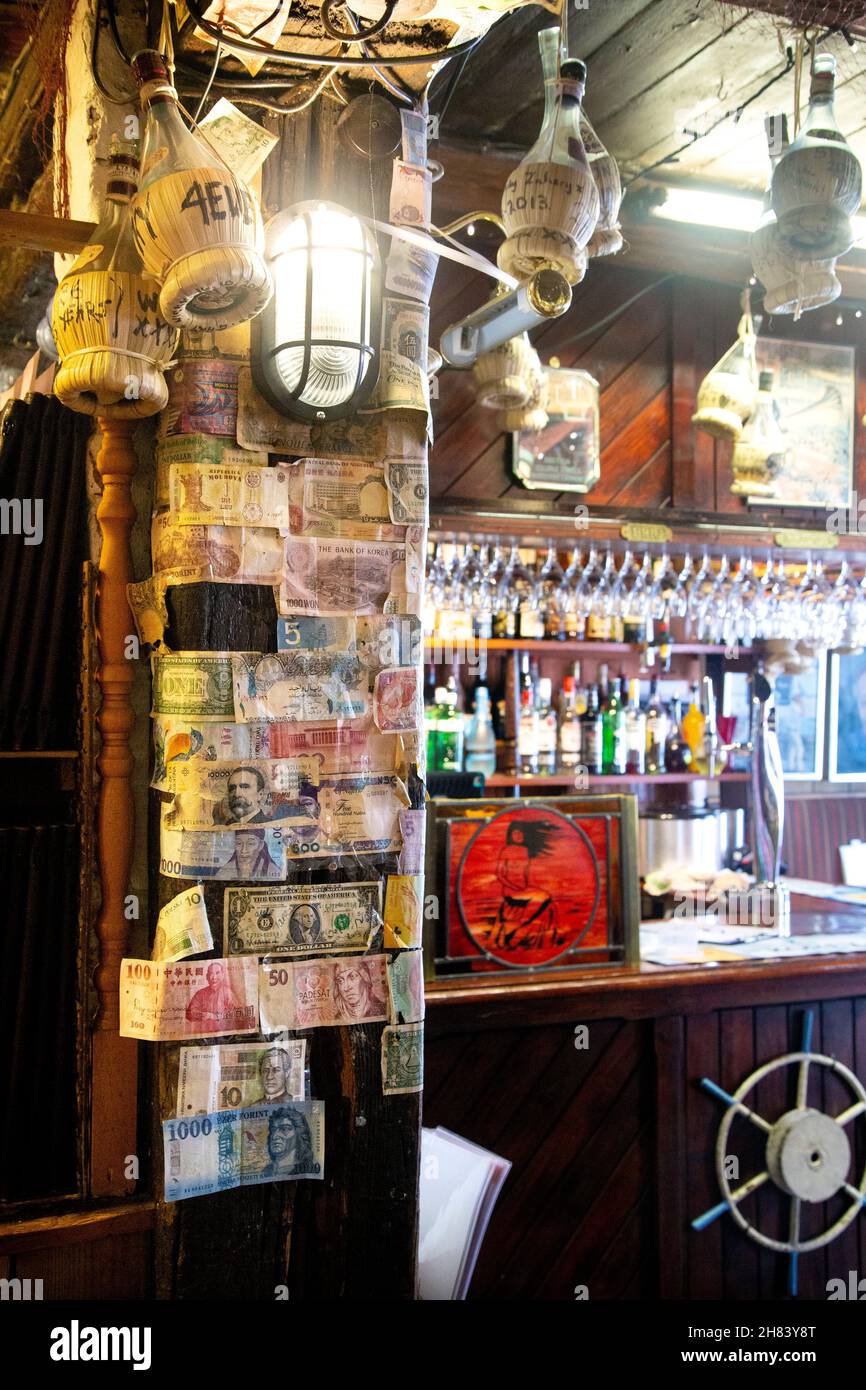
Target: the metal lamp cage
(272, 372)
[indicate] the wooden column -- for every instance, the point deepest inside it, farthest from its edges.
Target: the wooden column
(114, 1059)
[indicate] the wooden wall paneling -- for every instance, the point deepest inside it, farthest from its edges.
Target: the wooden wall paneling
(812, 1275)
(115, 1268)
(703, 1114)
(672, 1215)
(643, 438)
(725, 319)
(837, 1028)
(740, 1271)
(772, 1098)
(692, 349)
(859, 1068)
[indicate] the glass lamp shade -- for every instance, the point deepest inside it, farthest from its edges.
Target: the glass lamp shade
(316, 346)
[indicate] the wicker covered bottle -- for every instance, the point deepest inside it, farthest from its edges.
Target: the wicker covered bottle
(759, 453)
(550, 204)
(606, 240)
(197, 226)
(112, 340)
(818, 182)
(727, 394)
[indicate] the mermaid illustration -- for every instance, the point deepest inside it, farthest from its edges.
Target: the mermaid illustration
(527, 910)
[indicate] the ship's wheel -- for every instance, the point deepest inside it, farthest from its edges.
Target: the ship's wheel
(808, 1154)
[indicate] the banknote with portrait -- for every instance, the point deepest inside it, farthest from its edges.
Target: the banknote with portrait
(323, 993)
(301, 918)
(237, 1148)
(182, 928)
(161, 1002)
(232, 1076)
(270, 792)
(252, 854)
(218, 554)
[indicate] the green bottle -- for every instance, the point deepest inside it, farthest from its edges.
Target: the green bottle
(613, 730)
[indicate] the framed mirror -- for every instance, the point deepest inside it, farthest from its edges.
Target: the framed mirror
(564, 455)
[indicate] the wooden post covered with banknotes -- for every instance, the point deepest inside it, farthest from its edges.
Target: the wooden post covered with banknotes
(284, 990)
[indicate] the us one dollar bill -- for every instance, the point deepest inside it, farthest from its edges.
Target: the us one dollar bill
(250, 855)
(167, 1003)
(228, 495)
(336, 750)
(236, 1148)
(302, 687)
(408, 491)
(301, 918)
(406, 984)
(197, 684)
(323, 993)
(219, 554)
(339, 497)
(232, 1076)
(267, 792)
(403, 1059)
(335, 576)
(213, 449)
(182, 928)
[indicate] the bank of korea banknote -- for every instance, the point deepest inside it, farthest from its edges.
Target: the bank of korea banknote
(335, 751)
(323, 993)
(193, 684)
(252, 854)
(378, 640)
(213, 449)
(406, 984)
(232, 1076)
(408, 491)
(339, 497)
(182, 928)
(236, 1148)
(302, 687)
(403, 1059)
(220, 554)
(335, 576)
(301, 918)
(267, 792)
(207, 999)
(228, 495)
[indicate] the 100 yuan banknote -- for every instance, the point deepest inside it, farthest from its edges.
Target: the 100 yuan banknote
(232, 1076)
(228, 495)
(249, 855)
(237, 1148)
(301, 918)
(268, 792)
(323, 993)
(166, 1003)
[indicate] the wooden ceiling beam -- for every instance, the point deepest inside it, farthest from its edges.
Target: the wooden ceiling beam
(474, 179)
(819, 13)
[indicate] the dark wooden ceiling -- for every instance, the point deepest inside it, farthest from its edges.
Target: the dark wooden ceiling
(657, 70)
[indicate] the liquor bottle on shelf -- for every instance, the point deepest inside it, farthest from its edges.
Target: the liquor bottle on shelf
(657, 728)
(613, 722)
(527, 735)
(480, 741)
(592, 734)
(693, 729)
(629, 624)
(635, 731)
(678, 755)
(579, 601)
(580, 693)
(546, 727)
(514, 596)
(569, 727)
(449, 733)
(431, 728)
(658, 652)
(574, 619)
(602, 679)
(552, 596)
(599, 617)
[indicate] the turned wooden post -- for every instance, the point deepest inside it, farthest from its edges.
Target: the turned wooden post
(114, 1059)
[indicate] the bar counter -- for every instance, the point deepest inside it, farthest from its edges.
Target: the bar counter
(611, 1137)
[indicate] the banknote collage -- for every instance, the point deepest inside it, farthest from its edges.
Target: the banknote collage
(289, 779)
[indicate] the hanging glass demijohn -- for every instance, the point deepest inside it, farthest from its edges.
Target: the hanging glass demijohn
(550, 204)
(727, 394)
(759, 453)
(113, 343)
(818, 182)
(606, 239)
(792, 284)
